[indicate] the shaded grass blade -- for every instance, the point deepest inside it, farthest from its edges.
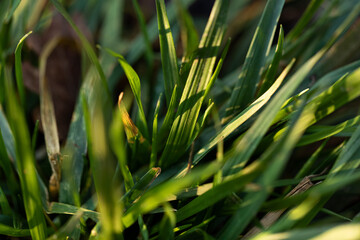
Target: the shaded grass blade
(273, 68)
(244, 90)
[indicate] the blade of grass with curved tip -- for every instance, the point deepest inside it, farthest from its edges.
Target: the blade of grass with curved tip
(26, 166)
(270, 76)
(244, 90)
(135, 85)
(18, 70)
(182, 129)
(168, 53)
(48, 120)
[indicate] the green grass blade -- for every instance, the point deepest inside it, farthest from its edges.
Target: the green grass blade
(273, 68)
(168, 53)
(189, 35)
(13, 232)
(252, 137)
(7, 134)
(140, 16)
(279, 154)
(182, 129)
(18, 70)
(87, 46)
(305, 19)
(322, 132)
(135, 85)
(62, 208)
(342, 92)
(116, 137)
(101, 164)
(243, 116)
(161, 193)
(167, 224)
(140, 187)
(26, 164)
(154, 142)
(349, 231)
(245, 88)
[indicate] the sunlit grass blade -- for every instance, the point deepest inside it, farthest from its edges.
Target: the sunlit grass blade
(243, 116)
(26, 164)
(168, 53)
(107, 189)
(161, 193)
(18, 70)
(140, 186)
(62, 208)
(48, 120)
(279, 153)
(182, 129)
(341, 231)
(251, 139)
(245, 88)
(270, 76)
(321, 132)
(342, 92)
(135, 85)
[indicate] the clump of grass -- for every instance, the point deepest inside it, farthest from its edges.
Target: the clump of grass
(258, 152)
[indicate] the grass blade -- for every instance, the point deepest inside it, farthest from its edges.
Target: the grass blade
(243, 116)
(48, 121)
(168, 53)
(182, 129)
(250, 74)
(135, 85)
(271, 72)
(18, 70)
(26, 164)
